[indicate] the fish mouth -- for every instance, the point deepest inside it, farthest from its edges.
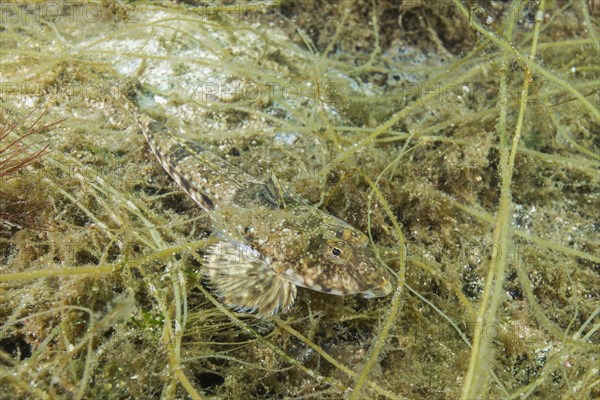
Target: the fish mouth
(382, 290)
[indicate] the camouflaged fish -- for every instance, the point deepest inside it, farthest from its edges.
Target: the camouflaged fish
(271, 240)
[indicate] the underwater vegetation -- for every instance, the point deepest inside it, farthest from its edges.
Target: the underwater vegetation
(461, 137)
(15, 156)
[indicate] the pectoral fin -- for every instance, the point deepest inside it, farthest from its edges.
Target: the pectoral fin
(242, 279)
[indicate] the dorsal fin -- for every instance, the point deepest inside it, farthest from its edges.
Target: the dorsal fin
(275, 192)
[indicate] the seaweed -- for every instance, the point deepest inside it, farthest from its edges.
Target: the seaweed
(462, 137)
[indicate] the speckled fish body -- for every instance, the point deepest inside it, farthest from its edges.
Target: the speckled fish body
(271, 239)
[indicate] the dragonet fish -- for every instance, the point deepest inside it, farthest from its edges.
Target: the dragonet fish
(270, 239)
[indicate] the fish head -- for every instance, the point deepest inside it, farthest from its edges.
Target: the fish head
(339, 260)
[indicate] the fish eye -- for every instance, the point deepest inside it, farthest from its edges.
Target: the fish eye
(337, 252)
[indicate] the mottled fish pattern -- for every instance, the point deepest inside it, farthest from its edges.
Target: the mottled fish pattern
(271, 240)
